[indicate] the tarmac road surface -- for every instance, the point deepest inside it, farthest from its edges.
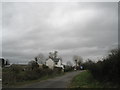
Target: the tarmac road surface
(57, 82)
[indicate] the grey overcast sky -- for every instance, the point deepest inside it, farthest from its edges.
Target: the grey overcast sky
(86, 29)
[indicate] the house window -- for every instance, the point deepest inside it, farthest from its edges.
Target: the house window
(55, 63)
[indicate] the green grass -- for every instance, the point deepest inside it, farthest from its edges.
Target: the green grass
(85, 80)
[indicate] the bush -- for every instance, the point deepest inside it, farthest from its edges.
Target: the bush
(33, 65)
(57, 70)
(68, 68)
(44, 66)
(16, 73)
(107, 70)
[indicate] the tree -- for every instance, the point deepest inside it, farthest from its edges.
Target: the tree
(88, 64)
(78, 60)
(33, 65)
(69, 63)
(2, 62)
(7, 62)
(53, 55)
(40, 58)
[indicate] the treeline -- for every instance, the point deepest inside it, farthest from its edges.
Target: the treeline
(106, 70)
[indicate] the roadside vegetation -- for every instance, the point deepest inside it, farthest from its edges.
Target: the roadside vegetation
(17, 74)
(103, 74)
(84, 80)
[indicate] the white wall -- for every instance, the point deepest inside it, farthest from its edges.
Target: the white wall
(59, 64)
(50, 63)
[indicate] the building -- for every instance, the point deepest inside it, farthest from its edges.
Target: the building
(54, 61)
(4, 62)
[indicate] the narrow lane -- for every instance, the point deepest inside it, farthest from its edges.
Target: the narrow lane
(58, 82)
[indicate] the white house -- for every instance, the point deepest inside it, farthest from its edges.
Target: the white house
(50, 63)
(54, 61)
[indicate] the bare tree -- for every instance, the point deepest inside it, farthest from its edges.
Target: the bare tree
(33, 65)
(69, 63)
(75, 60)
(51, 55)
(40, 58)
(55, 54)
(78, 60)
(7, 62)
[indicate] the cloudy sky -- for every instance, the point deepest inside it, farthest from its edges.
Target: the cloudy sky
(86, 29)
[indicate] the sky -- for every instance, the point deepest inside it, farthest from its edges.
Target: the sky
(88, 29)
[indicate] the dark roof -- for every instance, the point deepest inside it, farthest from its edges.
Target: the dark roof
(2, 59)
(56, 59)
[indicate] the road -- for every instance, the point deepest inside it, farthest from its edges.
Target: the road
(57, 82)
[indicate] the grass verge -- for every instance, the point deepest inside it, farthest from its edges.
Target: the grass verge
(86, 80)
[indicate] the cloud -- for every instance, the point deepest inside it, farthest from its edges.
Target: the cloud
(0, 29)
(85, 29)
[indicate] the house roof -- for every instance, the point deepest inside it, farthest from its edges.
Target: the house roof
(56, 59)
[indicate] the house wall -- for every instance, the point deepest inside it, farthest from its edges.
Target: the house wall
(40, 65)
(50, 63)
(59, 64)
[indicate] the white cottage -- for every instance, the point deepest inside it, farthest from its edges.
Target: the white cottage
(54, 61)
(50, 63)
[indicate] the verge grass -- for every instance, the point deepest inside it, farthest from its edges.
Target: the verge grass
(85, 80)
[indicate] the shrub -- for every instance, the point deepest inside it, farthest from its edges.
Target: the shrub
(44, 66)
(68, 68)
(17, 73)
(108, 69)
